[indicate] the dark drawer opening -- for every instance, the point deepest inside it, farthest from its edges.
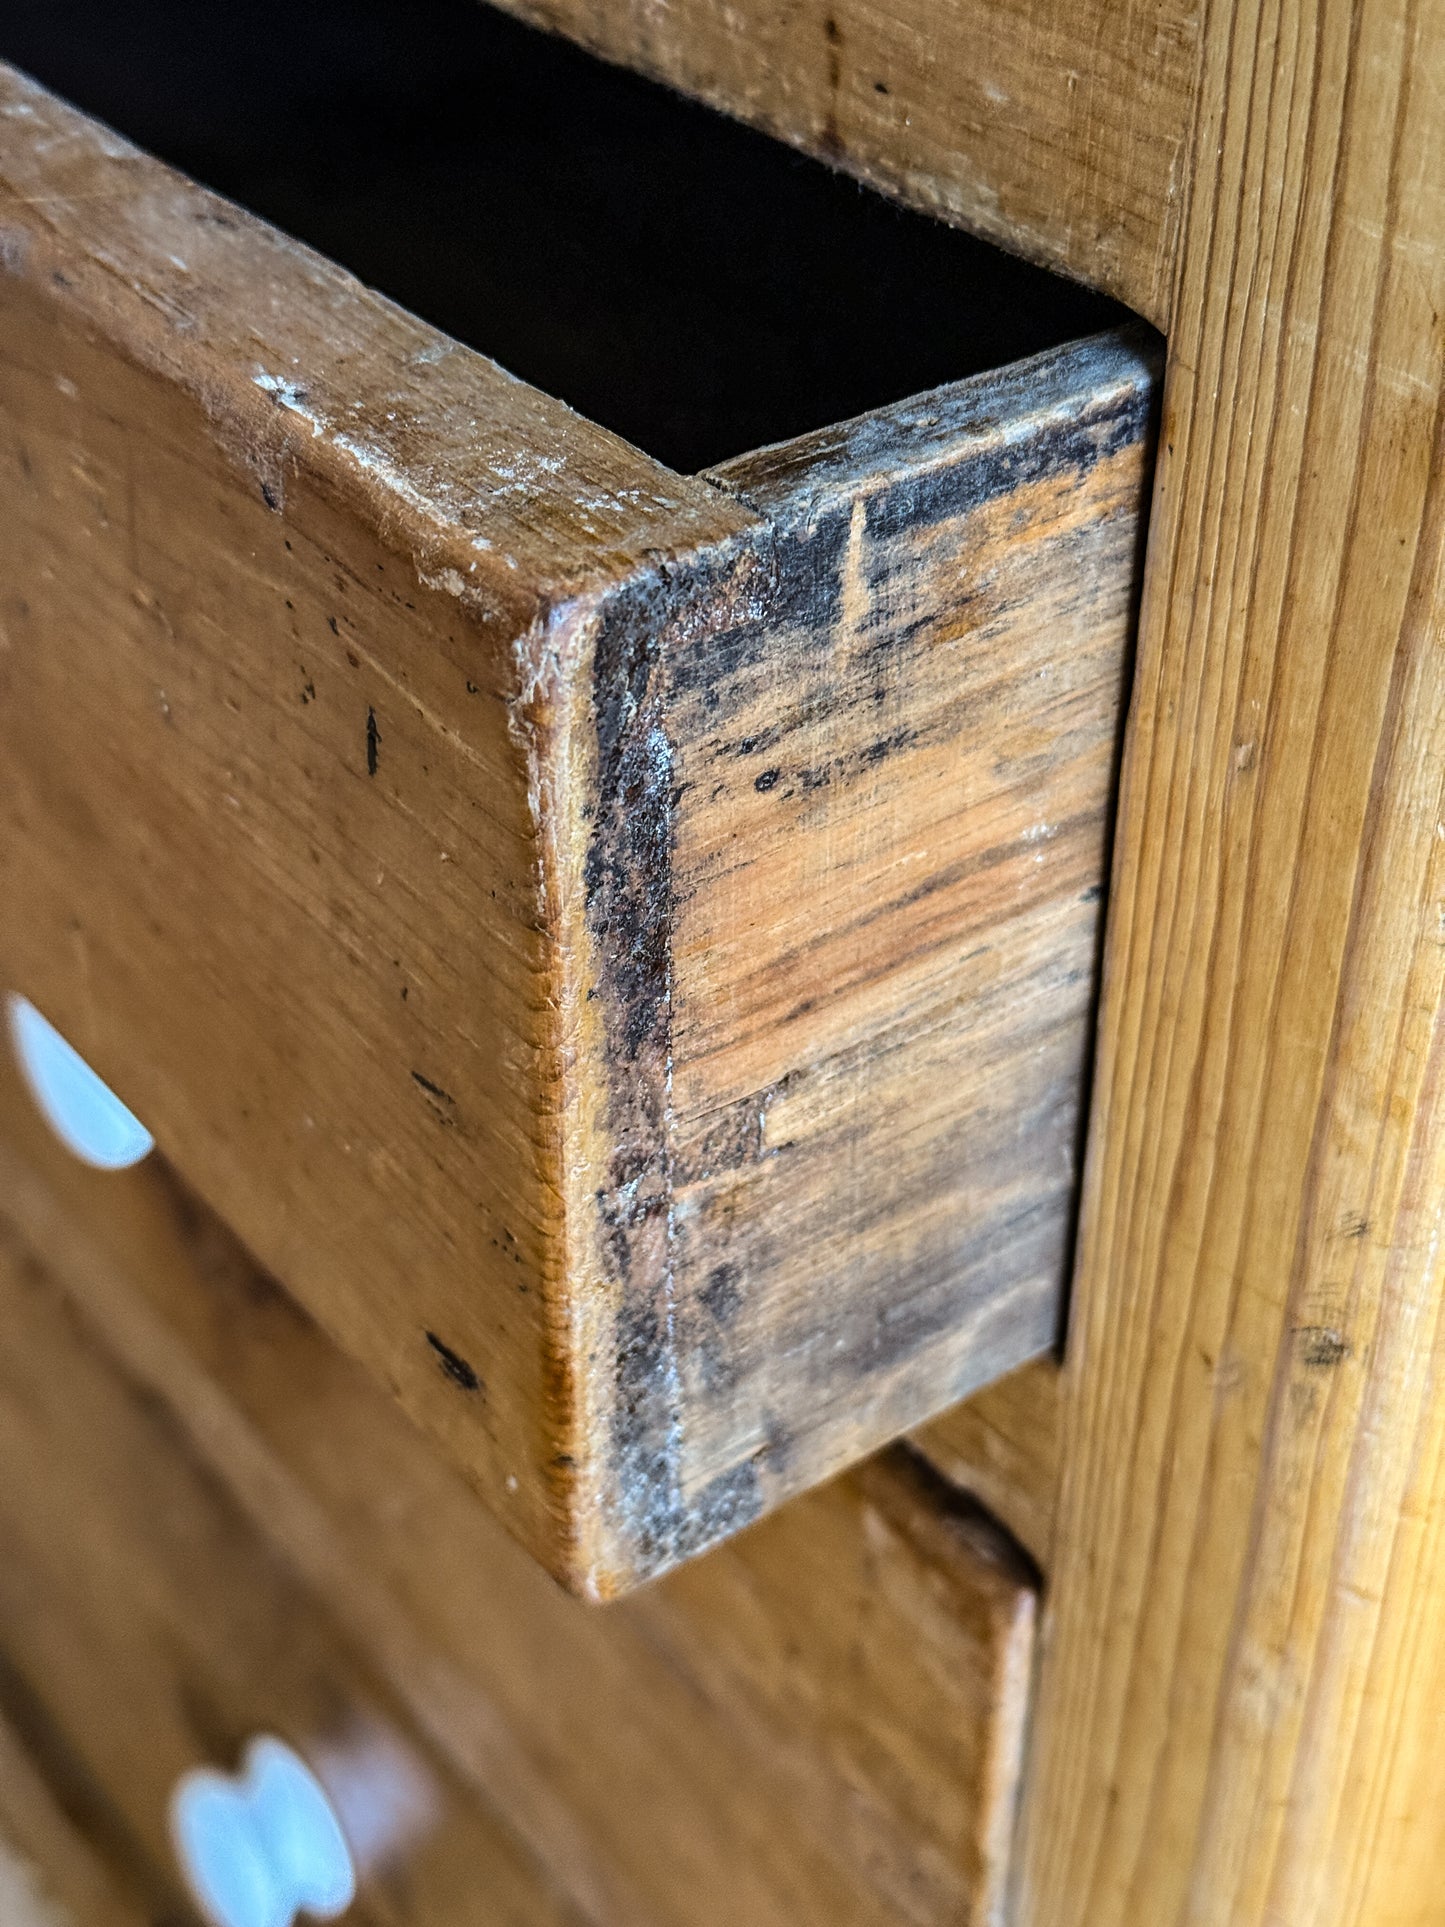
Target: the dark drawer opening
(684, 280)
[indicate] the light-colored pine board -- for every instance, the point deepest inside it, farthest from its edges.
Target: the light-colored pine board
(619, 947)
(1057, 131)
(817, 1725)
(1003, 1445)
(1239, 1712)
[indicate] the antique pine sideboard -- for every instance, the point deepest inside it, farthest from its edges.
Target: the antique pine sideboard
(792, 1261)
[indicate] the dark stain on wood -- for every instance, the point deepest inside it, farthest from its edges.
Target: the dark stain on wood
(1322, 1347)
(1075, 444)
(628, 882)
(373, 741)
(628, 877)
(830, 140)
(431, 1089)
(454, 1365)
(824, 646)
(722, 1294)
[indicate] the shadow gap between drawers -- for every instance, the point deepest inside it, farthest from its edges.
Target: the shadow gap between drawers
(689, 283)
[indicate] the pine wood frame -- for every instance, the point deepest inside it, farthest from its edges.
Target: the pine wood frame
(1235, 1713)
(1242, 1645)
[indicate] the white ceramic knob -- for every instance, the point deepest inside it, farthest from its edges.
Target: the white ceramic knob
(262, 1847)
(85, 1114)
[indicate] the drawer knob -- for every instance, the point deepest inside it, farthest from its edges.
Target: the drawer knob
(262, 1846)
(84, 1113)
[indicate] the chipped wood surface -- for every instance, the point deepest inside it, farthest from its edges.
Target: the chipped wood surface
(1239, 1711)
(821, 1722)
(617, 945)
(1058, 131)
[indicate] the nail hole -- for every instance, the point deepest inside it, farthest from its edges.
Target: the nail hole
(85, 1114)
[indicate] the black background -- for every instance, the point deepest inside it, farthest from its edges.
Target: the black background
(688, 282)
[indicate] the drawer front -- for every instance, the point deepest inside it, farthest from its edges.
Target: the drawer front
(617, 945)
(821, 1722)
(147, 1628)
(53, 1872)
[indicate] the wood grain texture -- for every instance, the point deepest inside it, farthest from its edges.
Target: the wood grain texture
(1239, 1711)
(1003, 1445)
(818, 1725)
(1059, 132)
(842, 1201)
(618, 946)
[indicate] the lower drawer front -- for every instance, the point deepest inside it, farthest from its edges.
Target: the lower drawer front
(147, 1627)
(53, 1872)
(213, 1525)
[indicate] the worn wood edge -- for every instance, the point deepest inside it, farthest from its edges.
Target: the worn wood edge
(610, 858)
(979, 438)
(1061, 388)
(604, 884)
(444, 444)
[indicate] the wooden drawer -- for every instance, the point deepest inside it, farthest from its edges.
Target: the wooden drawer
(146, 1628)
(212, 1523)
(618, 945)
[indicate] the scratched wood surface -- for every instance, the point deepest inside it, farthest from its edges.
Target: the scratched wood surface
(1058, 131)
(280, 563)
(1239, 1713)
(618, 946)
(820, 1722)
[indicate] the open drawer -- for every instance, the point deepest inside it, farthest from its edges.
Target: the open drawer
(616, 944)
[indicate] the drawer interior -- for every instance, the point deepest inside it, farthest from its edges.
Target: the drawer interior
(686, 281)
